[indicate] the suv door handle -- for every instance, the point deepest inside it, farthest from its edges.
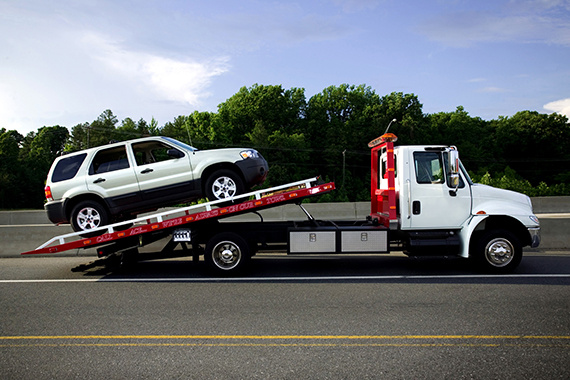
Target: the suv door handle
(99, 180)
(148, 170)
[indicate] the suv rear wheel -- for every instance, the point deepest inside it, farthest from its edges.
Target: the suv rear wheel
(88, 215)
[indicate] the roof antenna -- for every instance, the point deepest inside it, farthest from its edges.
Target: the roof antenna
(188, 130)
(393, 121)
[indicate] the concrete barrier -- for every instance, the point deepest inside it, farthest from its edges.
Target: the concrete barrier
(22, 231)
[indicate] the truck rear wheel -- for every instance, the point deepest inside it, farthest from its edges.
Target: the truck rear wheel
(498, 251)
(227, 253)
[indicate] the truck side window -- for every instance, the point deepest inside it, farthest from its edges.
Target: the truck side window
(429, 167)
(383, 165)
(108, 160)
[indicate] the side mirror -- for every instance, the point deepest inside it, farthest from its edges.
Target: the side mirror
(453, 169)
(174, 153)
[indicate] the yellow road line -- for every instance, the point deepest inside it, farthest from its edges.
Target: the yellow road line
(284, 345)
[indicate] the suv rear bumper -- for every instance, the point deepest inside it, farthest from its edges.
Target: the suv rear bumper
(55, 212)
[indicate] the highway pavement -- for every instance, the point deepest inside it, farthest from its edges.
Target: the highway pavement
(388, 317)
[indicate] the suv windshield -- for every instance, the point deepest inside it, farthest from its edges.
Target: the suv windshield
(180, 144)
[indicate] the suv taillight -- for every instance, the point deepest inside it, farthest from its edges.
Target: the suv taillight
(49, 196)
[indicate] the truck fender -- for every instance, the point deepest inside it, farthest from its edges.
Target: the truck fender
(466, 232)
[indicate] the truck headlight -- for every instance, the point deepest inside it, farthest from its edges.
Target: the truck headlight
(249, 154)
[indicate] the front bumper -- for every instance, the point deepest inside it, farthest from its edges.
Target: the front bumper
(254, 170)
(534, 236)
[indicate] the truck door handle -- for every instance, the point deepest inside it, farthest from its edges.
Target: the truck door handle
(148, 170)
(99, 180)
(416, 208)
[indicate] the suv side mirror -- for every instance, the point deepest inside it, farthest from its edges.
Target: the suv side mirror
(174, 153)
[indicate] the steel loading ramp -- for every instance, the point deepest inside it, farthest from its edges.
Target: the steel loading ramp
(249, 202)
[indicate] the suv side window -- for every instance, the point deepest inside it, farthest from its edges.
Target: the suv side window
(149, 152)
(108, 160)
(67, 167)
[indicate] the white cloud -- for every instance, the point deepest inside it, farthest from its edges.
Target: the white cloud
(178, 80)
(559, 106)
(492, 90)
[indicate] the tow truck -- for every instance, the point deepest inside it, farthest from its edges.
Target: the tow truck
(423, 202)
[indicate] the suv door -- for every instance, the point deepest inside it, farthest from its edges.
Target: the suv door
(112, 176)
(162, 176)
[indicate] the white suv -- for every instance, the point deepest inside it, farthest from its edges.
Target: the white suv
(111, 183)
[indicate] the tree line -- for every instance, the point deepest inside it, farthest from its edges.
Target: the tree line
(326, 135)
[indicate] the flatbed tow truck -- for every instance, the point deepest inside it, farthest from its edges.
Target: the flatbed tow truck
(422, 201)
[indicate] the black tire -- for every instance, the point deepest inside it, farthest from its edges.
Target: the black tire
(87, 215)
(126, 219)
(223, 184)
(497, 251)
(227, 254)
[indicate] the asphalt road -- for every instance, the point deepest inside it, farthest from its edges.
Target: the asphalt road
(386, 317)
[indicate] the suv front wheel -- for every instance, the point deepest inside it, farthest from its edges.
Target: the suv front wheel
(88, 215)
(224, 184)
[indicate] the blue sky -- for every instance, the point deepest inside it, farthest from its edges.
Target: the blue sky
(63, 62)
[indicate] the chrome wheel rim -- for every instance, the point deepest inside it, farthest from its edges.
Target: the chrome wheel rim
(499, 252)
(224, 187)
(88, 218)
(226, 255)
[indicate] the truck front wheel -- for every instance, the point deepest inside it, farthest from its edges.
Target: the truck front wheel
(498, 251)
(227, 253)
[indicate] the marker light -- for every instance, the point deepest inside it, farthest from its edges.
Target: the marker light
(249, 154)
(386, 137)
(49, 195)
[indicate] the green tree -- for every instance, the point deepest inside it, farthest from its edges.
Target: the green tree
(534, 145)
(472, 136)
(202, 130)
(406, 109)
(10, 170)
(342, 120)
(46, 146)
(99, 132)
(271, 120)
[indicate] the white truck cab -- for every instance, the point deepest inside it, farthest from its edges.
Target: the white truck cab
(437, 209)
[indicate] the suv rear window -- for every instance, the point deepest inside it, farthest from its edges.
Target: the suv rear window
(67, 167)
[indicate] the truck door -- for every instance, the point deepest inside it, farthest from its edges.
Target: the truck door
(435, 203)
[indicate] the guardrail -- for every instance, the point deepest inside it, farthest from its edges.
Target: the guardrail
(22, 231)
